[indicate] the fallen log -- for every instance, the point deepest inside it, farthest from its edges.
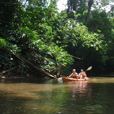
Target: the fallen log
(75, 57)
(30, 64)
(5, 71)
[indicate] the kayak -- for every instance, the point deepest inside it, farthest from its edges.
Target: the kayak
(74, 79)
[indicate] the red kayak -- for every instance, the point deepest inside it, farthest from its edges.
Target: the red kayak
(74, 79)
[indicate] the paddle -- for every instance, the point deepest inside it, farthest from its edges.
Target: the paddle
(89, 68)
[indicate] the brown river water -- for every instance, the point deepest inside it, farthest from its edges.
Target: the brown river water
(33, 96)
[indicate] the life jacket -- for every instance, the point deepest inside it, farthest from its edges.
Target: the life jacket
(74, 75)
(83, 74)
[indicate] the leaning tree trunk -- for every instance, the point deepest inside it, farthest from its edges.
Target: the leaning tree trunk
(33, 66)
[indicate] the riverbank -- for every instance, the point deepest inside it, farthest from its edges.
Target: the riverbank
(13, 75)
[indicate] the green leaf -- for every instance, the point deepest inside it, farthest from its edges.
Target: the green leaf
(3, 43)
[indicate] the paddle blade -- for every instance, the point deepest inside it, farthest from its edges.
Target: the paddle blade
(89, 68)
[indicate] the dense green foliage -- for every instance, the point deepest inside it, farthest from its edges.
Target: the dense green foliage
(37, 32)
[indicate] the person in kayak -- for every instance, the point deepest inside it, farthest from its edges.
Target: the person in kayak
(83, 74)
(74, 74)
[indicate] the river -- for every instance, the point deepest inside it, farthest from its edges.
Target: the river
(26, 96)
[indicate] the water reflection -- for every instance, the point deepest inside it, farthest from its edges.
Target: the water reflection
(79, 88)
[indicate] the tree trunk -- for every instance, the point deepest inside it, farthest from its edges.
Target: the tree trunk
(90, 3)
(30, 64)
(87, 16)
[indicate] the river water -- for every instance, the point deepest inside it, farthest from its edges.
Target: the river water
(22, 96)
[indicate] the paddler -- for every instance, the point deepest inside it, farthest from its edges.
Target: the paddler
(83, 74)
(74, 74)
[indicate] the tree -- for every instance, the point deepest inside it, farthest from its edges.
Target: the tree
(100, 22)
(41, 35)
(7, 14)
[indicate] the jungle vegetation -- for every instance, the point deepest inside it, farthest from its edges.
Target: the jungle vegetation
(34, 34)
